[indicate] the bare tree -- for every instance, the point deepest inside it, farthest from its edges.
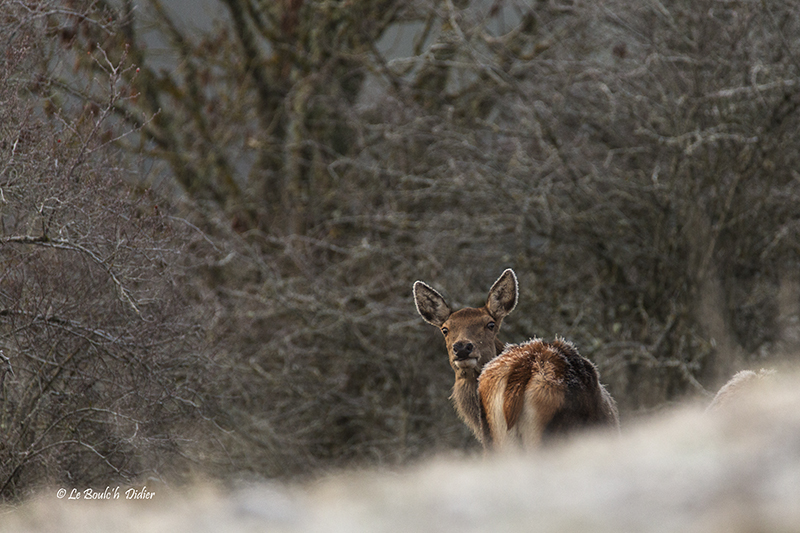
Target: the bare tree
(100, 374)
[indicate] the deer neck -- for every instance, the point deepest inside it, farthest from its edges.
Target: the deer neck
(466, 399)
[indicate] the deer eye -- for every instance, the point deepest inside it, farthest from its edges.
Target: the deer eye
(491, 326)
(445, 331)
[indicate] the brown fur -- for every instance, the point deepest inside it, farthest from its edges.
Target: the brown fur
(544, 389)
(523, 393)
(518, 377)
(470, 323)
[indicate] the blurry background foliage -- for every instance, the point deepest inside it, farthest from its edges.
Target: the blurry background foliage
(210, 230)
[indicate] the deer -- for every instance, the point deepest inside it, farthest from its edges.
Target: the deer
(516, 395)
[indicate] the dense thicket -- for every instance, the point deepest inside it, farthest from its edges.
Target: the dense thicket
(99, 362)
(635, 163)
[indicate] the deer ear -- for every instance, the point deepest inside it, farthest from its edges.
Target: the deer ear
(503, 295)
(430, 304)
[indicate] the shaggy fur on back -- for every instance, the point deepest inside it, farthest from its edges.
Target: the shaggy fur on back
(538, 389)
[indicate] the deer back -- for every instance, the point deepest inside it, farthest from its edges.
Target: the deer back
(537, 389)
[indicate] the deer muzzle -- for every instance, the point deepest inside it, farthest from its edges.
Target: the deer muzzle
(464, 355)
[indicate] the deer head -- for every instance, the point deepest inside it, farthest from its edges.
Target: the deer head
(471, 333)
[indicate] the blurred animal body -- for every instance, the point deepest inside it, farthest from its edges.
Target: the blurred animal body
(514, 397)
(736, 389)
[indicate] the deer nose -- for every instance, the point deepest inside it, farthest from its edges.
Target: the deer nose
(462, 349)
